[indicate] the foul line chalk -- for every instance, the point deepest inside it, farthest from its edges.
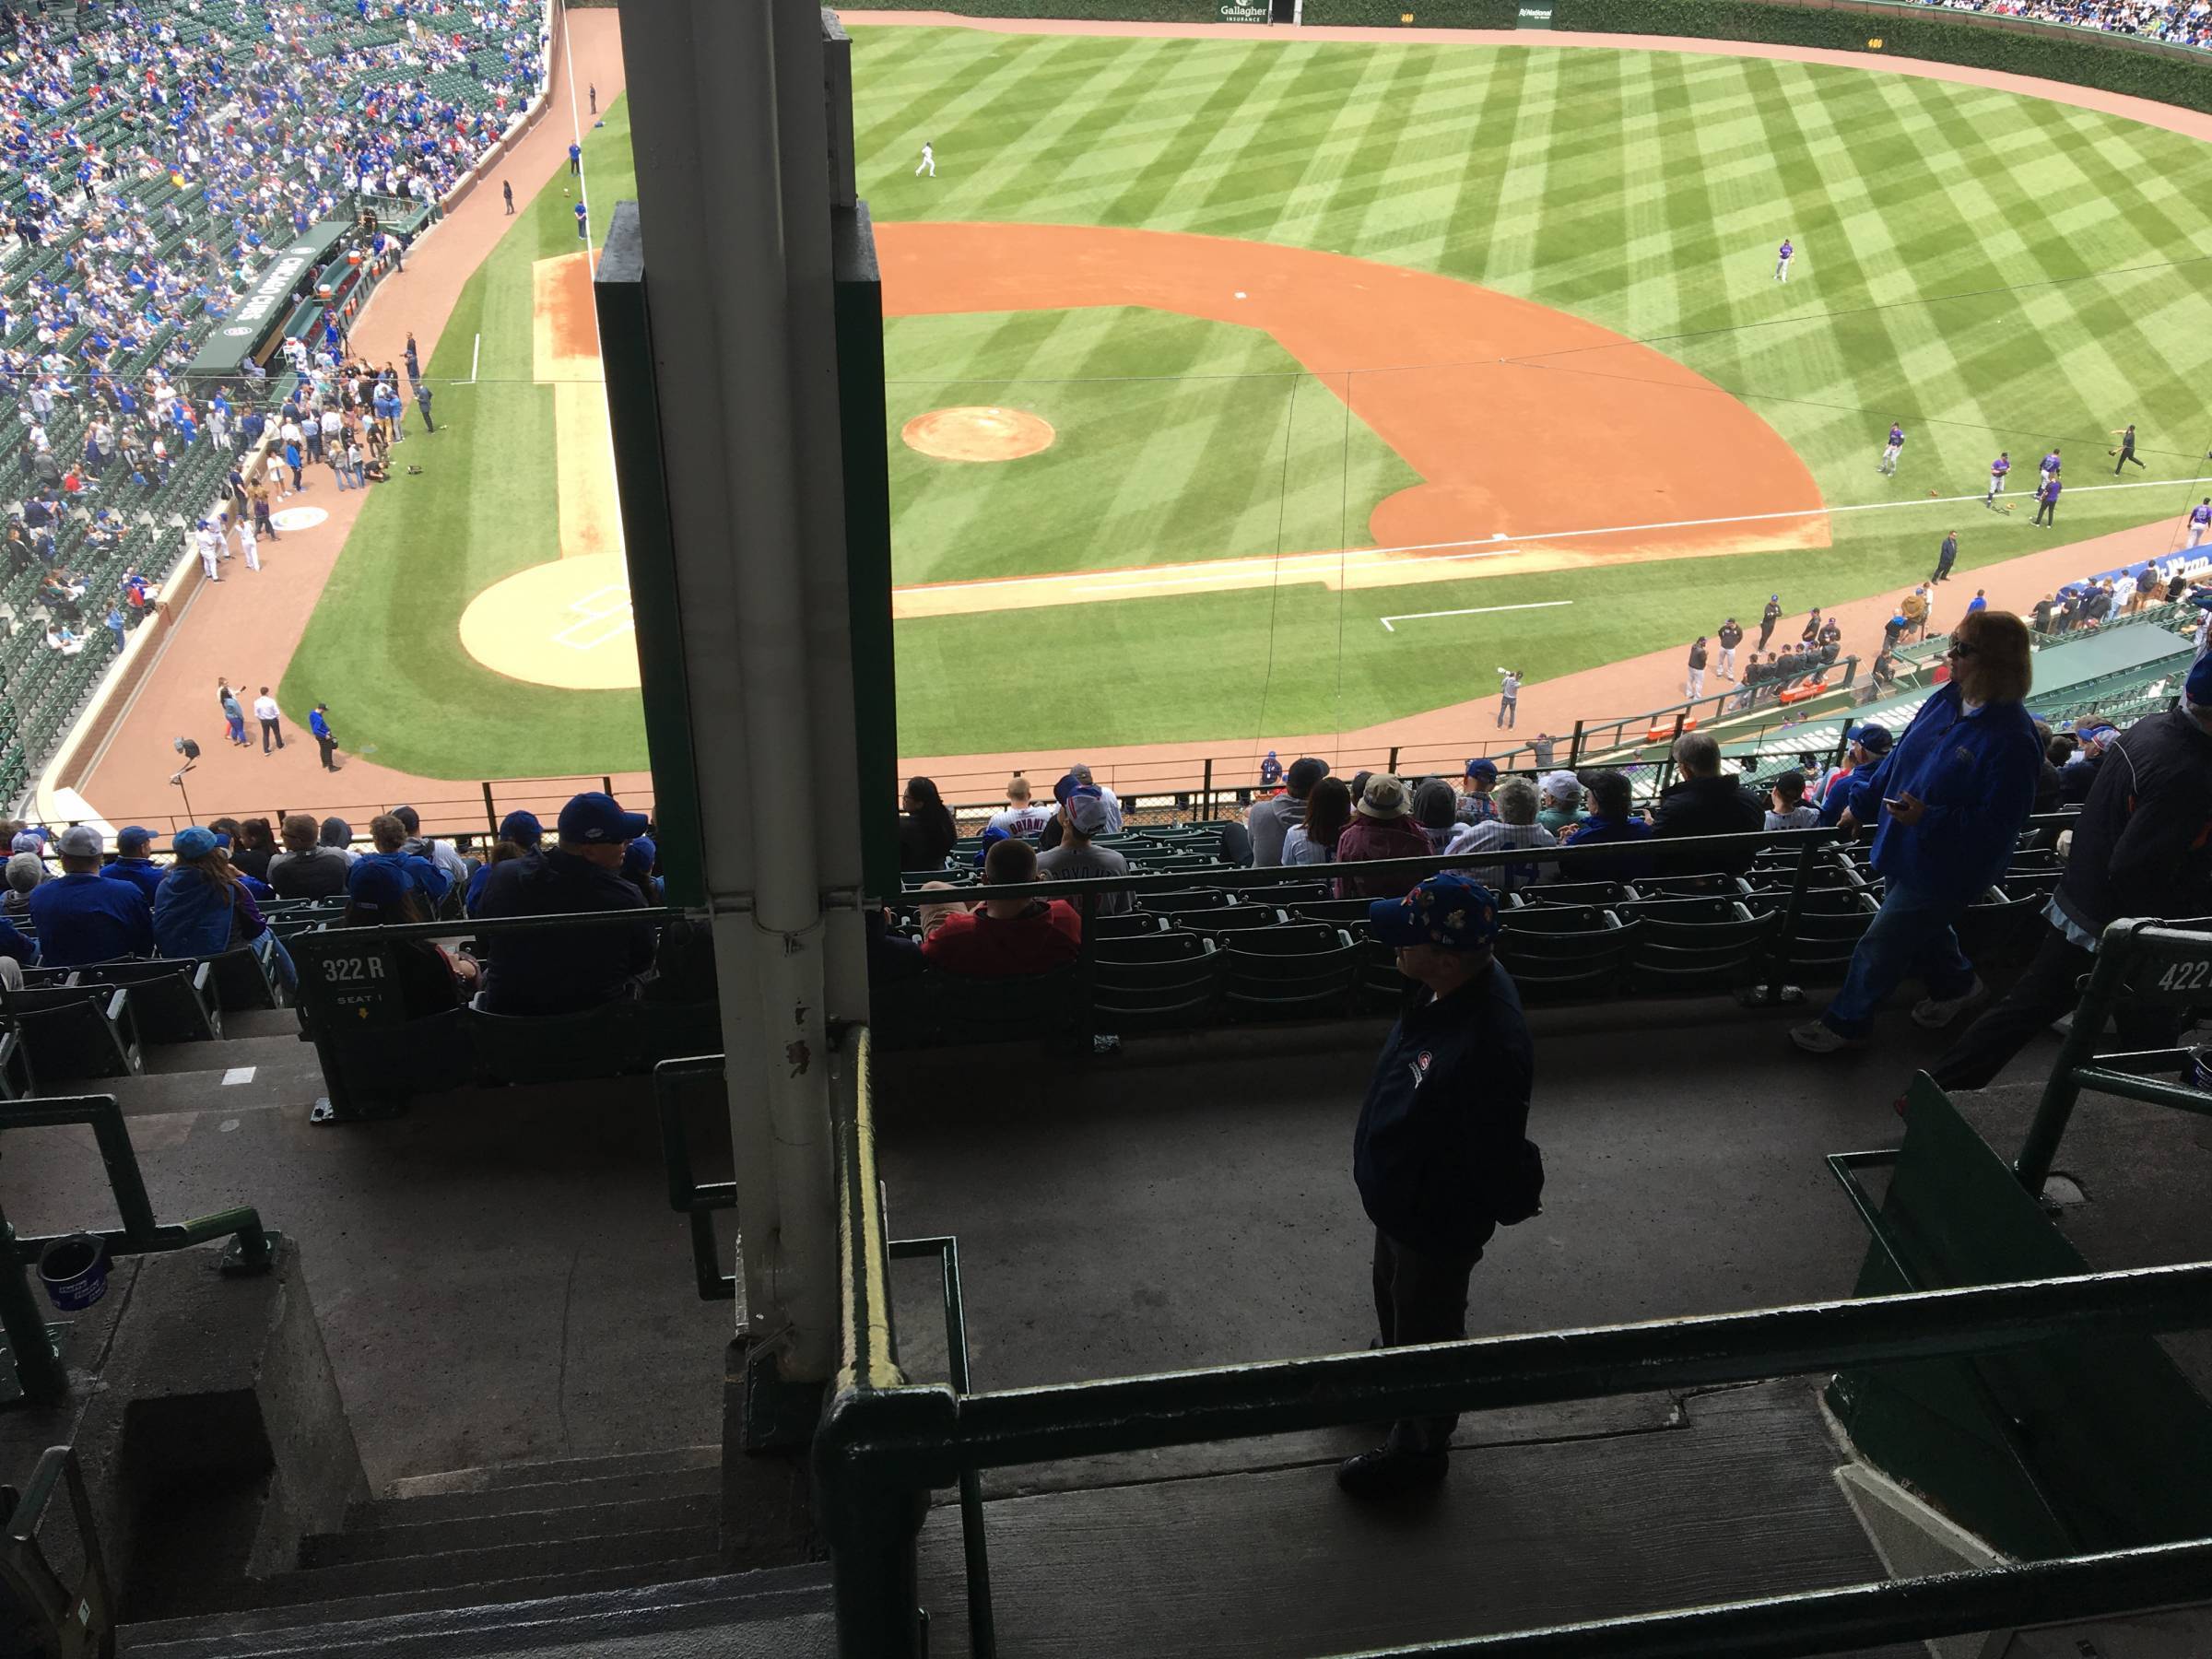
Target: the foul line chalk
(1478, 610)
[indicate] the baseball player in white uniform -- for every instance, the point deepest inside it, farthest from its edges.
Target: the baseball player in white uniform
(929, 159)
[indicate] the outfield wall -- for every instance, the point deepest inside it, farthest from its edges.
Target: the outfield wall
(2085, 57)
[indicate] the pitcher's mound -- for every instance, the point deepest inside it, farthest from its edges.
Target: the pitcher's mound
(978, 434)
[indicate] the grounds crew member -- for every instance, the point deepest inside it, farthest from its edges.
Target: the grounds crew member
(1440, 1155)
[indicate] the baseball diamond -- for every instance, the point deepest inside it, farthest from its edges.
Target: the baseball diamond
(1200, 349)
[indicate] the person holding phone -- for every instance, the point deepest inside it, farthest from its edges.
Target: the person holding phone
(1948, 804)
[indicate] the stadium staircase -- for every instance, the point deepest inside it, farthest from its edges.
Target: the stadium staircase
(614, 1555)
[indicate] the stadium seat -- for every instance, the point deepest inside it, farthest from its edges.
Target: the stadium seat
(1236, 918)
(1693, 945)
(70, 1031)
(244, 977)
(1580, 893)
(1561, 952)
(15, 1068)
(1712, 884)
(174, 1002)
(1270, 981)
(1130, 925)
(1817, 949)
(1169, 982)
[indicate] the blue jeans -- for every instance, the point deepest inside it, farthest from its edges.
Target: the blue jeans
(1910, 934)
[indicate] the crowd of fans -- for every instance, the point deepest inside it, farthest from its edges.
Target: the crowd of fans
(69, 904)
(2177, 22)
(154, 159)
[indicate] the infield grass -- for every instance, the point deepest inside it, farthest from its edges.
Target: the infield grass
(384, 647)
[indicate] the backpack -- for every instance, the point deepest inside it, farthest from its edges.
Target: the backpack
(1514, 1191)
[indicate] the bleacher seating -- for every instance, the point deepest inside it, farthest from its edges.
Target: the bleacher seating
(1263, 945)
(200, 240)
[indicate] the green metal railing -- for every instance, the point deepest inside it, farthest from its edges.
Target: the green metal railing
(2146, 963)
(37, 1361)
(885, 1442)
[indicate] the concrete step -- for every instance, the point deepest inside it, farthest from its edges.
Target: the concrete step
(493, 1563)
(609, 1615)
(401, 1540)
(550, 1471)
(633, 1485)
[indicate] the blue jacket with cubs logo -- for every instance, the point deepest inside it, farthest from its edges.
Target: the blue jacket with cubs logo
(1977, 773)
(1445, 1115)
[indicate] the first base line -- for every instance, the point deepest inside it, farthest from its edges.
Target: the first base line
(1478, 610)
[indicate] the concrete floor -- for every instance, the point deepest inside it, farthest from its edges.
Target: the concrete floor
(498, 1274)
(1195, 1206)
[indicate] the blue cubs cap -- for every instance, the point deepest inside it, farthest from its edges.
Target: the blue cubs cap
(1479, 767)
(2197, 688)
(376, 884)
(636, 858)
(599, 817)
(522, 829)
(2097, 731)
(194, 841)
(1873, 738)
(134, 838)
(1450, 909)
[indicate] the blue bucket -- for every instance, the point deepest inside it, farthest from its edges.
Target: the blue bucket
(75, 1271)
(2199, 1073)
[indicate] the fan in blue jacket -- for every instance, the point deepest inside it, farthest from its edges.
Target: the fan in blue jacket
(1947, 806)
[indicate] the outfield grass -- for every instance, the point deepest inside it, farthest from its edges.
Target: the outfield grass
(1175, 439)
(384, 647)
(1998, 272)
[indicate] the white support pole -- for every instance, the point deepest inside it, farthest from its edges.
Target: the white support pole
(732, 187)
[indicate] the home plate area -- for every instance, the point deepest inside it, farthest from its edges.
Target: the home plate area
(566, 624)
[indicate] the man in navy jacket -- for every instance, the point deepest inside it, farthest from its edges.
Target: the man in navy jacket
(1948, 804)
(566, 970)
(1444, 1119)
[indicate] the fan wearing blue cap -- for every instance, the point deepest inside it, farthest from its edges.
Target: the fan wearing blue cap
(1868, 744)
(132, 863)
(82, 918)
(1440, 1153)
(2142, 847)
(566, 970)
(1477, 804)
(519, 832)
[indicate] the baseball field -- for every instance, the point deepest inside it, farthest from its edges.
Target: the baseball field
(1247, 386)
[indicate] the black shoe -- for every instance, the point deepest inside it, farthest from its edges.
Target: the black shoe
(1388, 1473)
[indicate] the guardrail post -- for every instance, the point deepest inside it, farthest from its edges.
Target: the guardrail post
(2055, 1110)
(1574, 747)
(39, 1367)
(491, 813)
(1774, 992)
(1393, 768)
(1206, 811)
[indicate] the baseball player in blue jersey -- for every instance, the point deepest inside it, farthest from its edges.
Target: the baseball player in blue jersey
(1895, 449)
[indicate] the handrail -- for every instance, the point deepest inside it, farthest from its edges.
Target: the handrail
(80, 1620)
(38, 1360)
(880, 1446)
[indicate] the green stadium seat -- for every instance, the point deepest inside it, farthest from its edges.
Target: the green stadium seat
(1699, 945)
(174, 1002)
(69, 1031)
(1563, 953)
(1266, 981)
(1166, 981)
